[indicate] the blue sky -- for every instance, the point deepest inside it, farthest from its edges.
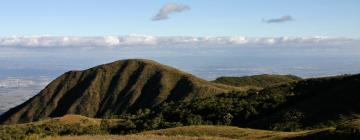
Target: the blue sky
(332, 18)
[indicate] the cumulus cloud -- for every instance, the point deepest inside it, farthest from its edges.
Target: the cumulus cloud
(238, 40)
(111, 40)
(136, 39)
(168, 9)
(148, 40)
(68, 41)
(282, 19)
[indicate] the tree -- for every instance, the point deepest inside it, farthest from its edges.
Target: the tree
(193, 119)
(227, 119)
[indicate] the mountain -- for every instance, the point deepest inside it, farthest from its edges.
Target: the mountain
(259, 81)
(116, 88)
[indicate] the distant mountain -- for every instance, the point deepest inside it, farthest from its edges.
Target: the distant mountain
(115, 88)
(260, 81)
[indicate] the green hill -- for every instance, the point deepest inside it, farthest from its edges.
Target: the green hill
(311, 103)
(261, 81)
(114, 88)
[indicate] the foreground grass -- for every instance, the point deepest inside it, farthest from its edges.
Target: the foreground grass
(75, 127)
(134, 137)
(66, 125)
(224, 131)
(201, 132)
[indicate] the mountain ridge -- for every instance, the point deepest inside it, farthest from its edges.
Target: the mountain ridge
(114, 88)
(256, 81)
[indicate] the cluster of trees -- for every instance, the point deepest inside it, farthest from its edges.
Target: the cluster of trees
(236, 109)
(26, 131)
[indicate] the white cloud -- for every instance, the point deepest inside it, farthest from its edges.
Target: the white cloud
(112, 40)
(147, 40)
(168, 9)
(67, 41)
(282, 19)
(136, 39)
(238, 40)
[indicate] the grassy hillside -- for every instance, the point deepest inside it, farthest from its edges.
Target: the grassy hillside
(67, 125)
(111, 89)
(205, 132)
(257, 81)
(134, 137)
(210, 132)
(224, 131)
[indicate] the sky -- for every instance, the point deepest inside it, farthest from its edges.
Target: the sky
(251, 18)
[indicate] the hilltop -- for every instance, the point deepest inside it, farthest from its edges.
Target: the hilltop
(257, 81)
(112, 89)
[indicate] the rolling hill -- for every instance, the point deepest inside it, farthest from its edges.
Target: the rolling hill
(257, 81)
(115, 88)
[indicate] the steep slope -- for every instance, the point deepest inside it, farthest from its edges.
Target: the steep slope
(114, 88)
(260, 81)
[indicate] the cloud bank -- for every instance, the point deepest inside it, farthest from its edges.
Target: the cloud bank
(168, 9)
(282, 19)
(147, 40)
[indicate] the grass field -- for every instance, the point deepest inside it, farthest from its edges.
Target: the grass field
(201, 132)
(134, 137)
